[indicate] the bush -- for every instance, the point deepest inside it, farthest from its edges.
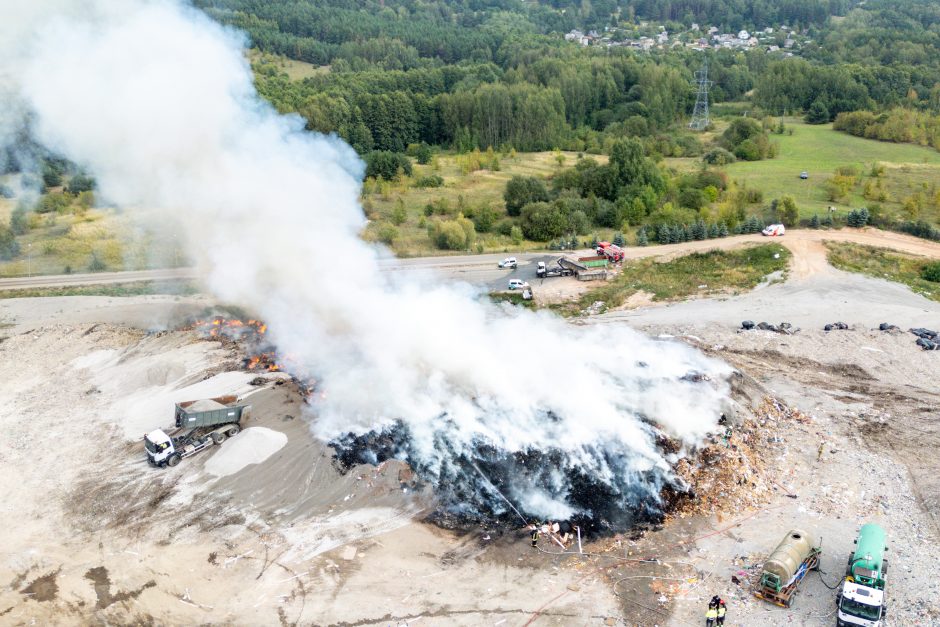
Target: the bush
(19, 220)
(857, 218)
(387, 165)
(53, 203)
(386, 233)
(718, 156)
(523, 190)
(421, 152)
(9, 247)
(542, 222)
(931, 272)
(818, 113)
(786, 211)
(484, 218)
(80, 183)
(96, 264)
(431, 180)
(454, 234)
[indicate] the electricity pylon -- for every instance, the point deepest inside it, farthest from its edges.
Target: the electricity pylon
(700, 114)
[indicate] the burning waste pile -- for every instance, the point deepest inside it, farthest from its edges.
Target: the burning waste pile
(490, 405)
(260, 354)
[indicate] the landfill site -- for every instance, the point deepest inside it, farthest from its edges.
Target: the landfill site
(820, 472)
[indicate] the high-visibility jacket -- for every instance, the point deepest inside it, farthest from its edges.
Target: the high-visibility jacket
(721, 611)
(711, 613)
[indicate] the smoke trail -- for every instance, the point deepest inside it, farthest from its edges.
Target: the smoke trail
(157, 102)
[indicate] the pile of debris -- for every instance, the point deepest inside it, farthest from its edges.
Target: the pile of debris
(927, 339)
(836, 326)
(889, 328)
(731, 473)
(784, 327)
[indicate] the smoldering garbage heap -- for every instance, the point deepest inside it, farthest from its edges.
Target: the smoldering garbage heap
(731, 473)
(470, 489)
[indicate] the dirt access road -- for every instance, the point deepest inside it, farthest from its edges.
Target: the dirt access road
(807, 247)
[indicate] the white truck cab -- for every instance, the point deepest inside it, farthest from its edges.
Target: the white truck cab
(860, 605)
(160, 448)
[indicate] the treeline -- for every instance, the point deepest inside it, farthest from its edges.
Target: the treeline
(562, 100)
(896, 125)
(734, 15)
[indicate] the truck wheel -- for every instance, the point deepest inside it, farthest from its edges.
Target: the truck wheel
(234, 430)
(174, 460)
(218, 438)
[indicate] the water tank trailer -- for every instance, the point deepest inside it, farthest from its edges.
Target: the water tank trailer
(784, 570)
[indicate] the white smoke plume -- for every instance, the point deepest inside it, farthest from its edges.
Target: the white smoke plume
(157, 102)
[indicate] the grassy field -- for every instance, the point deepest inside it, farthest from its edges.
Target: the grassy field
(295, 70)
(460, 188)
(179, 288)
(697, 274)
(97, 240)
(883, 264)
(819, 150)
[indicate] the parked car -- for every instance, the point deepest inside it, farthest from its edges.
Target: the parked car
(517, 284)
(804, 175)
(508, 262)
(774, 230)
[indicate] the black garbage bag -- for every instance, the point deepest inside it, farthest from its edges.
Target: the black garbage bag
(747, 324)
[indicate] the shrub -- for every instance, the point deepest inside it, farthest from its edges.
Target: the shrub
(484, 218)
(431, 180)
(542, 221)
(786, 211)
(718, 156)
(387, 165)
(453, 234)
(80, 183)
(931, 272)
(818, 113)
(9, 247)
(386, 233)
(523, 190)
(96, 264)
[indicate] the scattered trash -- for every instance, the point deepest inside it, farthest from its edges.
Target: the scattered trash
(927, 339)
(784, 327)
(927, 345)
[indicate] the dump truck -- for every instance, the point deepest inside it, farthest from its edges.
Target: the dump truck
(861, 599)
(785, 569)
(544, 271)
(199, 424)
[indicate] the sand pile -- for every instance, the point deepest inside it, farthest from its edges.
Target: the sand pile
(251, 446)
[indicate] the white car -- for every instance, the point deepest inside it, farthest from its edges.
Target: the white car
(774, 230)
(517, 284)
(508, 262)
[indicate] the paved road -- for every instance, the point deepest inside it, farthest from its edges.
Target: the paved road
(806, 246)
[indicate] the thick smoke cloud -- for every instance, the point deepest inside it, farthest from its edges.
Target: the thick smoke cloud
(157, 102)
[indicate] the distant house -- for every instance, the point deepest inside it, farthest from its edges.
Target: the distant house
(744, 35)
(694, 26)
(773, 48)
(769, 30)
(712, 30)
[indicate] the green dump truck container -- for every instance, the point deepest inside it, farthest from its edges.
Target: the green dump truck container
(593, 262)
(210, 412)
